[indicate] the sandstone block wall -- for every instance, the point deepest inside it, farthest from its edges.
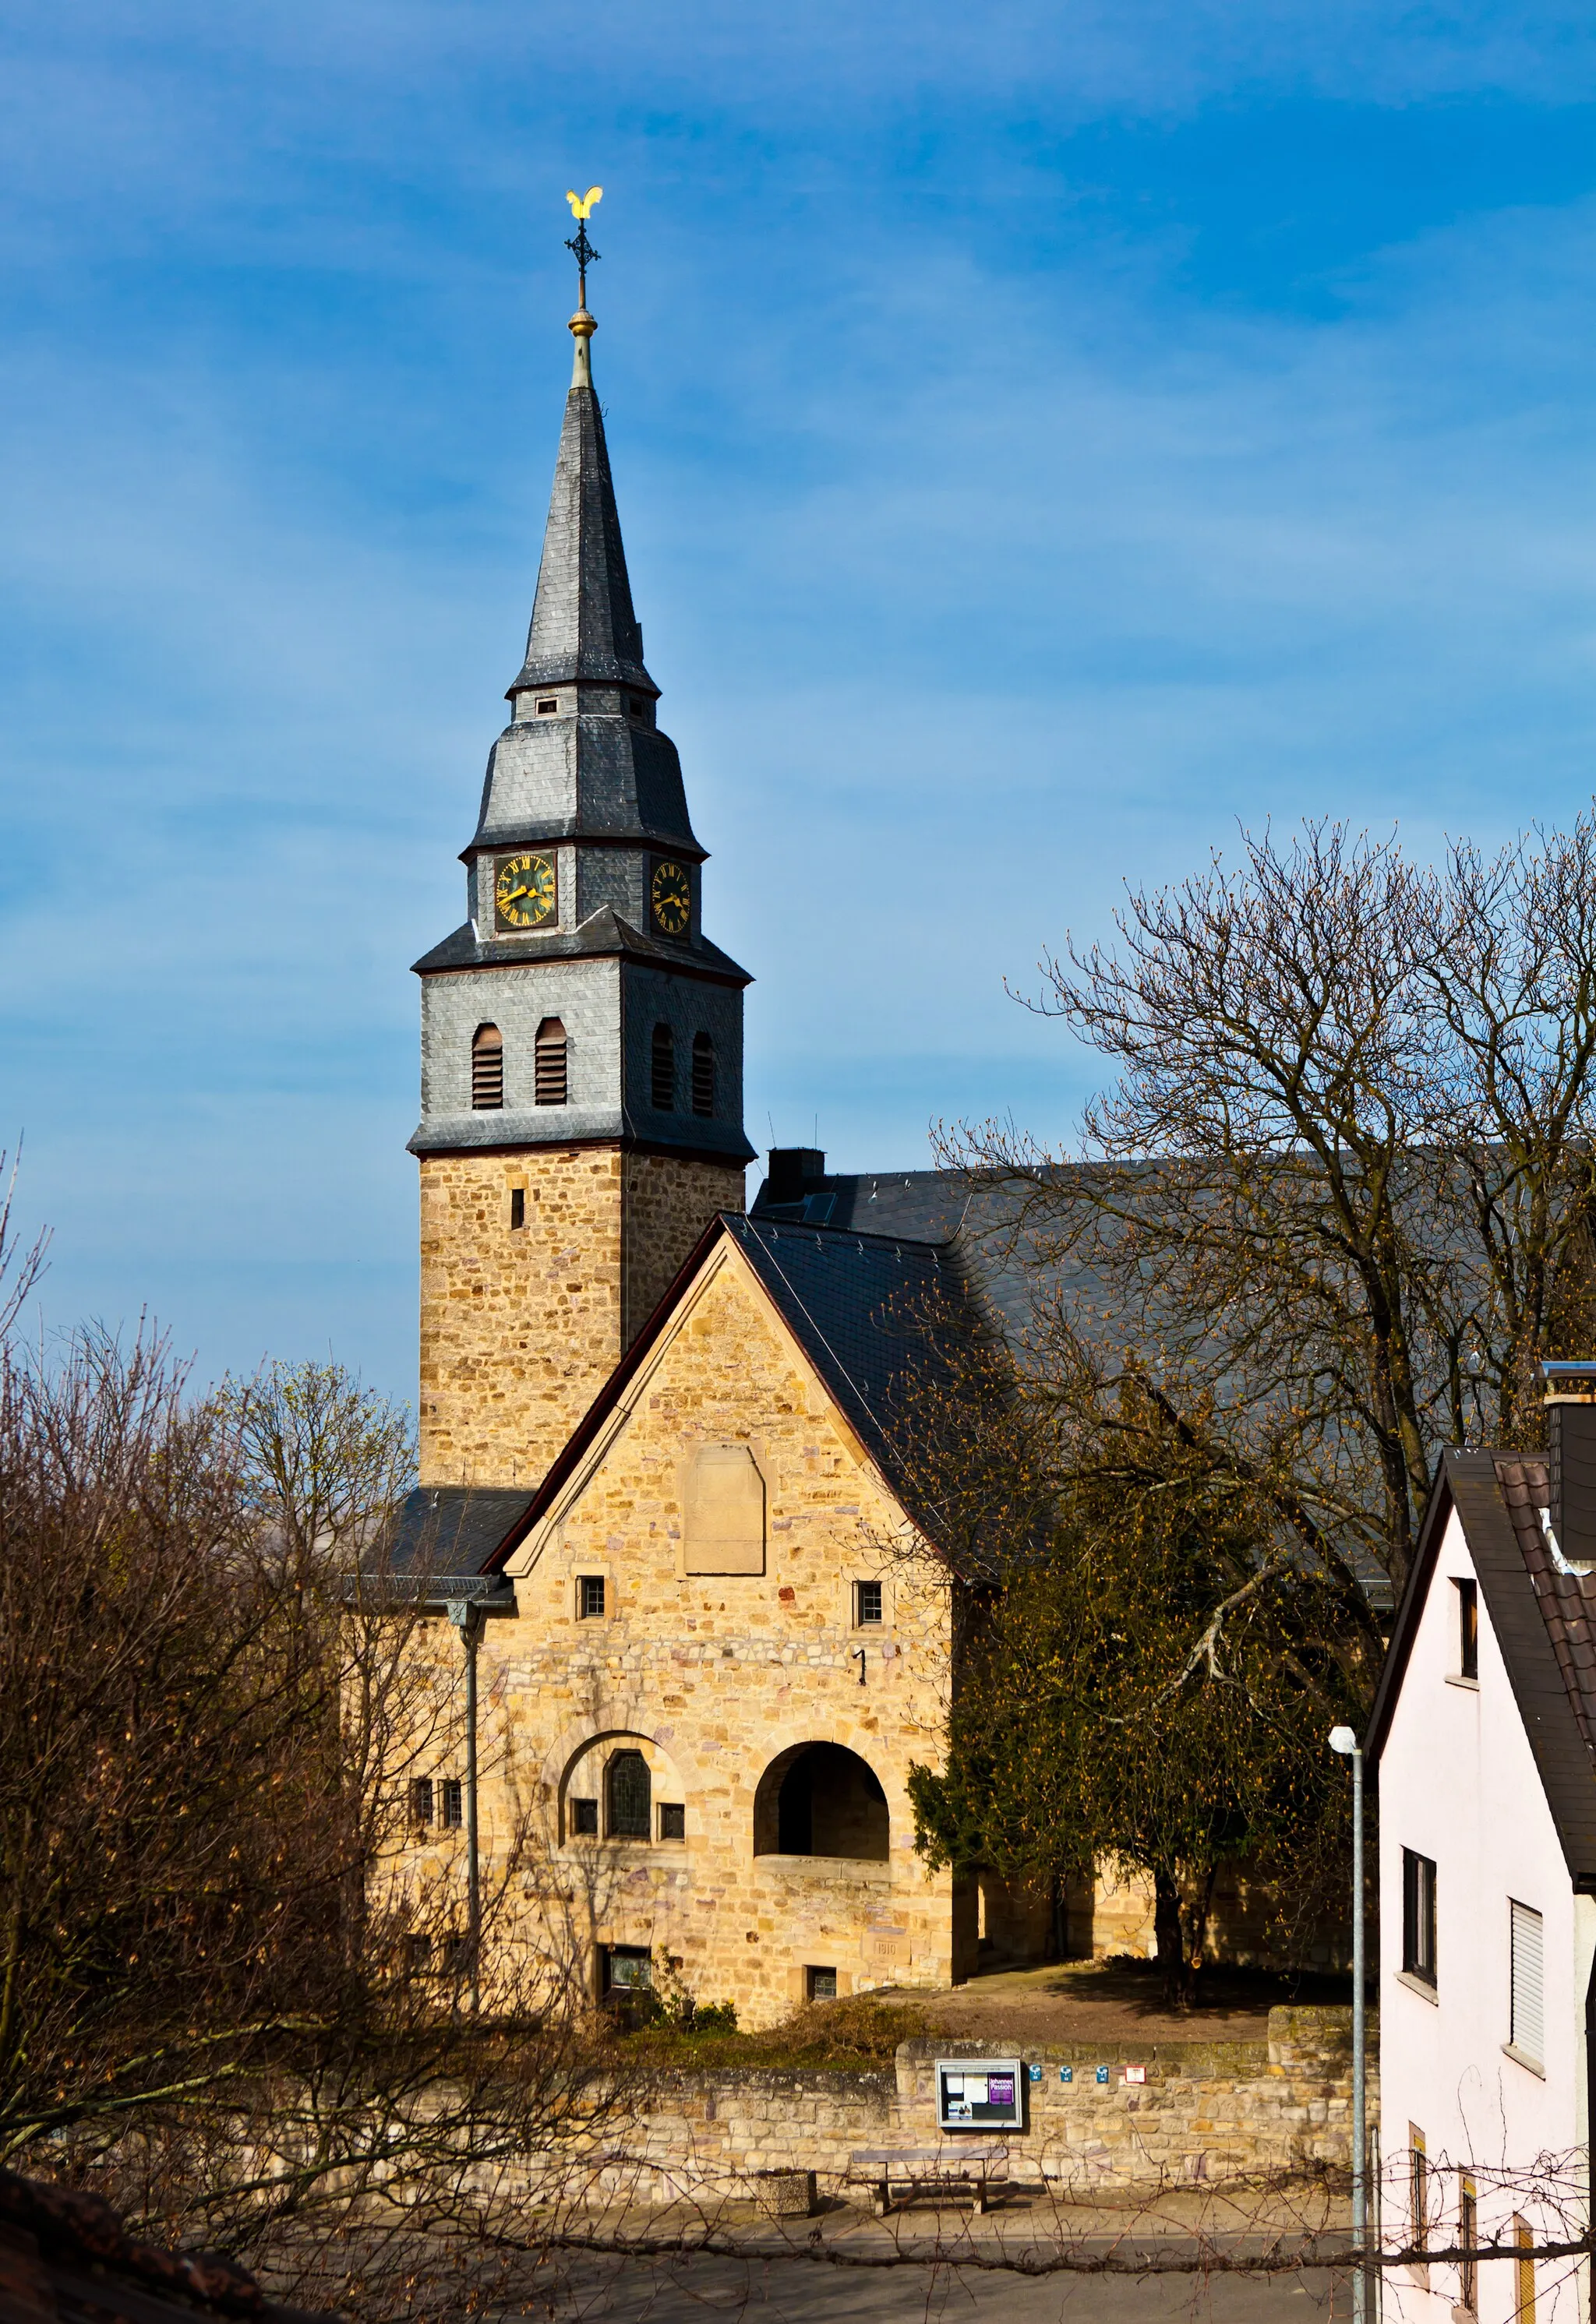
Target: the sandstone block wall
(1206, 2111)
(520, 1327)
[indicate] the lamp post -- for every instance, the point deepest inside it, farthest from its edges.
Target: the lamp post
(466, 1615)
(1343, 1740)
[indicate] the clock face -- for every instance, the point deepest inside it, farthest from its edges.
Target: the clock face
(672, 898)
(524, 892)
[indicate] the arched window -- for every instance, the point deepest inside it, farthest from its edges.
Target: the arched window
(631, 1807)
(664, 1070)
(549, 1076)
(702, 1073)
(487, 1069)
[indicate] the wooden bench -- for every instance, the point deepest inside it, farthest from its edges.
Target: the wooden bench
(958, 2168)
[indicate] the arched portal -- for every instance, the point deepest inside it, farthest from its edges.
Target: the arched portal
(819, 1799)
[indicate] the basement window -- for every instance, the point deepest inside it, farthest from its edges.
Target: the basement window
(627, 1968)
(518, 1207)
(583, 1819)
(547, 705)
(820, 1985)
(453, 1802)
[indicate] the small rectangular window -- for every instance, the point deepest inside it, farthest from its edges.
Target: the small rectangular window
(456, 1956)
(583, 1819)
(820, 1984)
(1418, 2189)
(1468, 1629)
(1528, 2006)
(628, 1969)
(1523, 2272)
(1418, 1916)
(1468, 2235)
(590, 1597)
(421, 1799)
(547, 703)
(867, 1602)
(453, 1800)
(673, 1822)
(518, 1207)
(418, 1956)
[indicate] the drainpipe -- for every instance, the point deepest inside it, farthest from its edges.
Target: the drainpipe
(466, 1615)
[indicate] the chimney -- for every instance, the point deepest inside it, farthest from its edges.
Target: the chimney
(790, 1167)
(1570, 1433)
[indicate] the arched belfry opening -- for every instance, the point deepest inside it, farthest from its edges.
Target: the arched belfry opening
(820, 1799)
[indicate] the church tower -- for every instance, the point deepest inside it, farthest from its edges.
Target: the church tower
(581, 1038)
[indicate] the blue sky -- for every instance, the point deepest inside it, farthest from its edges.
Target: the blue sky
(1045, 437)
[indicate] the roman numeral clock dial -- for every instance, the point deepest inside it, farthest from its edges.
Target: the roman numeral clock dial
(524, 892)
(671, 897)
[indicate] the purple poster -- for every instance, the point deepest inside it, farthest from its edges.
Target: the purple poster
(1000, 2089)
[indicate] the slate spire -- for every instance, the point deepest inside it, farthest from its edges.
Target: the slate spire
(584, 626)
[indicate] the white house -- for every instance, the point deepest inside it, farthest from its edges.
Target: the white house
(1484, 1733)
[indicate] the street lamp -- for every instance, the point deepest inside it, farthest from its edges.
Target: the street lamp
(1343, 1740)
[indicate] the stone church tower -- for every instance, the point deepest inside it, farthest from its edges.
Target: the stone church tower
(582, 1040)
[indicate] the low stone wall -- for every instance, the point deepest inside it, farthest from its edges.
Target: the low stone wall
(1206, 2110)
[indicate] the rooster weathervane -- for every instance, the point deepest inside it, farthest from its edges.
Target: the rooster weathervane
(579, 246)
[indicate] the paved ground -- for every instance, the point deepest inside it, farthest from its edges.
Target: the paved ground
(1115, 2001)
(800, 2291)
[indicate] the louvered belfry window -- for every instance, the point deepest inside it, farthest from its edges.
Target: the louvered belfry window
(702, 1073)
(663, 1070)
(549, 1063)
(487, 1069)
(1528, 2030)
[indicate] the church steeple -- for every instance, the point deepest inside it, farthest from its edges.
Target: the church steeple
(582, 1038)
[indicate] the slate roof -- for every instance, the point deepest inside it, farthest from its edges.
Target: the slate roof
(453, 1530)
(1542, 1621)
(583, 625)
(602, 934)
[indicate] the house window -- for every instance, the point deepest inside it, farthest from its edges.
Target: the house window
(1468, 1629)
(417, 1955)
(487, 1069)
(1523, 2272)
(703, 1074)
(673, 1821)
(1468, 2235)
(550, 1050)
(1528, 2008)
(1418, 1916)
(662, 1064)
(456, 1956)
(453, 1802)
(820, 1985)
(548, 704)
(1419, 2190)
(630, 1801)
(583, 1819)
(627, 1968)
(518, 1207)
(421, 1799)
(867, 1602)
(590, 1598)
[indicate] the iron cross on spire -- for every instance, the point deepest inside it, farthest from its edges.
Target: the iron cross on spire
(579, 246)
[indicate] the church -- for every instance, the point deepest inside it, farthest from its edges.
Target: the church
(658, 1493)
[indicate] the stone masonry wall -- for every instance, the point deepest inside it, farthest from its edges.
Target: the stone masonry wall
(520, 1327)
(1206, 2111)
(714, 1678)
